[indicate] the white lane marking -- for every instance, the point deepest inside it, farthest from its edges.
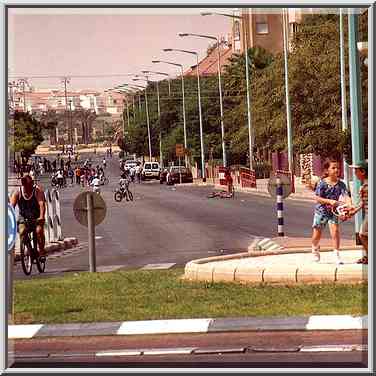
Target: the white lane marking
(158, 266)
(119, 353)
(23, 331)
(164, 326)
(339, 322)
(98, 237)
(334, 348)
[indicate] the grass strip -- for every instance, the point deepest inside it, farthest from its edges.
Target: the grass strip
(161, 294)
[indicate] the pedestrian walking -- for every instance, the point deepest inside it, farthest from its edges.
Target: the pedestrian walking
(229, 181)
(138, 173)
(327, 194)
(78, 175)
(71, 175)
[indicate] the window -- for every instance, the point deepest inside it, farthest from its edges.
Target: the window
(262, 26)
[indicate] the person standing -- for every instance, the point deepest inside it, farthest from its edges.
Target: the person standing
(328, 192)
(138, 173)
(78, 175)
(361, 172)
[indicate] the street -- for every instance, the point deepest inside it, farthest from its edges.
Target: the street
(239, 349)
(172, 225)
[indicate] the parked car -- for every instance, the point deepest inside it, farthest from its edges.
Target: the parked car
(130, 163)
(150, 170)
(174, 175)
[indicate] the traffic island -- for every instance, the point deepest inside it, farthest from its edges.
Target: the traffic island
(278, 266)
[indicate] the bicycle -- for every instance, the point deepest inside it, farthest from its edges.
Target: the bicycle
(222, 194)
(121, 192)
(29, 249)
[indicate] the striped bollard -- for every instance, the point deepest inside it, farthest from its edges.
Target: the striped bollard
(49, 217)
(279, 191)
(57, 218)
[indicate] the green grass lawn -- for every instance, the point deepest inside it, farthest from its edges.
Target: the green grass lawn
(161, 294)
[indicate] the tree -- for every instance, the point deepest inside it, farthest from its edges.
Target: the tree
(27, 134)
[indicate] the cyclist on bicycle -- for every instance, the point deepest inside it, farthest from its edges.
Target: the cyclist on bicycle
(31, 204)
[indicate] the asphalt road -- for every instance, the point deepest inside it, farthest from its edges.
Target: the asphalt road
(239, 349)
(173, 225)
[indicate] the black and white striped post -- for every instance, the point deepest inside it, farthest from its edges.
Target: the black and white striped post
(279, 191)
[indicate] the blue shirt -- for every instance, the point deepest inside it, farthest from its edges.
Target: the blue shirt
(331, 192)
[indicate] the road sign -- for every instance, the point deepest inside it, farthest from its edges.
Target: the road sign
(179, 149)
(80, 208)
(12, 227)
(285, 182)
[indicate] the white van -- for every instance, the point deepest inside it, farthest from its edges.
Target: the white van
(151, 170)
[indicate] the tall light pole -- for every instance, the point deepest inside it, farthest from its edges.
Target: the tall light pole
(182, 89)
(219, 88)
(199, 108)
(357, 138)
(147, 113)
(159, 116)
(250, 131)
(288, 109)
(343, 92)
(65, 81)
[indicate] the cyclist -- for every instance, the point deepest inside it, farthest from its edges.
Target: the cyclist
(95, 182)
(32, 206)
(124, 183)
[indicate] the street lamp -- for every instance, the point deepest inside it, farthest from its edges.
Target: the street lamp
(199, 108)
(162, 74)
(250, 133)
(182, 89)
(147, 110)
(219, 87)
(159, 118)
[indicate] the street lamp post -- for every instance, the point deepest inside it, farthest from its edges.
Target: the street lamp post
(182, 89)
(288, 110)
(343, 91)
(159, 114)
(219, 88)
(199, 108)
(147, 112)
(250, 132)
(357, 138)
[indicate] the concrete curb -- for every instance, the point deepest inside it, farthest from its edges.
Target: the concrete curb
(181, 326)
(51, 248)
(213, 269)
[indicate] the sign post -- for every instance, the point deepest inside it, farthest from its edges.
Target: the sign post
(12, 234)
(90, 210)
(179, 149)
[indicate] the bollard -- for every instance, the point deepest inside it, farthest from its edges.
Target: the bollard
(279, 191)
(91, 231)
(59, 232)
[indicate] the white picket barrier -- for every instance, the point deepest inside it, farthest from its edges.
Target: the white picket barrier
(57, 218)
(53, 231)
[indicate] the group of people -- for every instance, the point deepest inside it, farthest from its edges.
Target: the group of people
(134, 172)
(330, 193)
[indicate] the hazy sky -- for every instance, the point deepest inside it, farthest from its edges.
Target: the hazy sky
(104, 42)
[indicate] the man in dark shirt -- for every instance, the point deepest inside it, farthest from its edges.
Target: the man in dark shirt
(32, 206)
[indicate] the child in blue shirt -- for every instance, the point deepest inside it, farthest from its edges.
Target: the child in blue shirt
(328, 192)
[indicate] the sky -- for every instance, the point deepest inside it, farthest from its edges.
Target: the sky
(76, 42)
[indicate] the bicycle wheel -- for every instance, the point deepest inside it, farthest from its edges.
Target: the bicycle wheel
(26, 251)
(118, 196)
(130, 195)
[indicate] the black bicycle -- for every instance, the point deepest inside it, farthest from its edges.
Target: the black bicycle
(29, 249)
(121, 192)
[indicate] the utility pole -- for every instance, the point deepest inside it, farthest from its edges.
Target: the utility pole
(65, 81)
